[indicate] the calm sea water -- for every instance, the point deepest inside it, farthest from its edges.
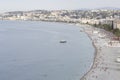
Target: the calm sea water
(31, 51)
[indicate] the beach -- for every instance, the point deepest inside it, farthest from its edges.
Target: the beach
(105, 66)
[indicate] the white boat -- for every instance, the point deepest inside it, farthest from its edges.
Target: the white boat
(63, 41)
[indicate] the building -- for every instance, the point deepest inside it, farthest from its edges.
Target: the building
(116, 24)
(106, 21)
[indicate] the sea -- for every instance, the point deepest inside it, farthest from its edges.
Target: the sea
(31, 50)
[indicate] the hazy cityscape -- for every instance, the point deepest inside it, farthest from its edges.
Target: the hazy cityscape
(96, 16)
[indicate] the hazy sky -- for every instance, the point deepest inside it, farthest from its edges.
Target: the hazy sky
(13, 5)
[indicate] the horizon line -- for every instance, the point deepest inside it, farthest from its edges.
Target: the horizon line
(117, 8)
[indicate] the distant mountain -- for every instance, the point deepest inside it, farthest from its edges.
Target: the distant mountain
(109, 8)
(84, 9)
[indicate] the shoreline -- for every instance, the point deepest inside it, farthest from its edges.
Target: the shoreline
(104, 66)
(95, 54)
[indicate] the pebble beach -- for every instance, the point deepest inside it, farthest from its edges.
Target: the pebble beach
(105, 66)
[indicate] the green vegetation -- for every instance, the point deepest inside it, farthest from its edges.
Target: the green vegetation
(116, 32)
(104, 26)
(107, 27)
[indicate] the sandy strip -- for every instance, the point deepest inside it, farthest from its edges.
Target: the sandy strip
(105, 66)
